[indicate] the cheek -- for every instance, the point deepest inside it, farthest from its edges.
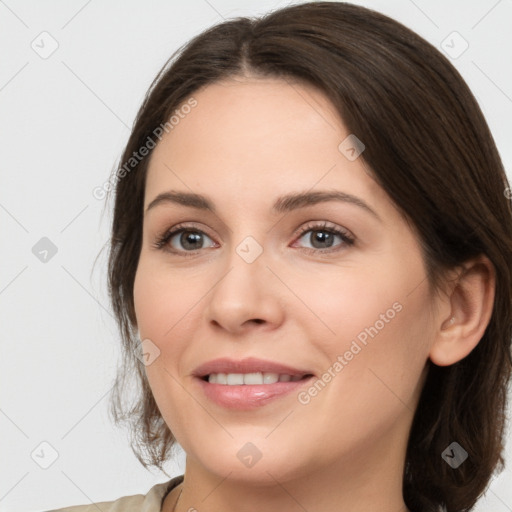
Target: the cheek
(375, 360)
(164, 308)
(161, 300)
(377, 316)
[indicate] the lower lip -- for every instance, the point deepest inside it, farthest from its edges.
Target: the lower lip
(245, 396)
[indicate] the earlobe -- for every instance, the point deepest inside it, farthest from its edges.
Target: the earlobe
(471, 305)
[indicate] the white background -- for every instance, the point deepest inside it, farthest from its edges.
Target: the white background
(64, 121)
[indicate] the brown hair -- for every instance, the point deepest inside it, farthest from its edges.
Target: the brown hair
(429, 147)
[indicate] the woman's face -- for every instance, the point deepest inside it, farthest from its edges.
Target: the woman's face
(326, 289)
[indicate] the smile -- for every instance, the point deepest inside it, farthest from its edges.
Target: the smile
(249, 383)
(248, 379)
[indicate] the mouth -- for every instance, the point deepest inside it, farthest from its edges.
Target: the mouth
(252, 379)
(248, 383)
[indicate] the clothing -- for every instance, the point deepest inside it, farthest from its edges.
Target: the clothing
(150, 502)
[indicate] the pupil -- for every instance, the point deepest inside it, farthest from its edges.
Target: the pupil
(188, 238)
(323, 237)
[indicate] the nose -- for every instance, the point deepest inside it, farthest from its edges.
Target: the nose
(246, 296)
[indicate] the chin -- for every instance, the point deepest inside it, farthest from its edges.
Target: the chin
(258, 462)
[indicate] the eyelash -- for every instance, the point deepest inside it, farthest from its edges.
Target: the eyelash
(162, 240)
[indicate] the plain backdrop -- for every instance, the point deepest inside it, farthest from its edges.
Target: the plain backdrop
(72, 76)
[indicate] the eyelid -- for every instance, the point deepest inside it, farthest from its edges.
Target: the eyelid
(319, 225)
(163, 239)
(347, 237)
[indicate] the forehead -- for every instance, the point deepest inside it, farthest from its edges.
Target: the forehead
(275, 98)
(242, 113)
(262, 134)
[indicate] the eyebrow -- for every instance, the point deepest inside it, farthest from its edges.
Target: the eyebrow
(283, 204)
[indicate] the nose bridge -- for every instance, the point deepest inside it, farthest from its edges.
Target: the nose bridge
(248, 241)
(249, 250)
(246, 291)
(247, 267)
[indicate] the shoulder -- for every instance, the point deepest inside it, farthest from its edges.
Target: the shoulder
(150, 502)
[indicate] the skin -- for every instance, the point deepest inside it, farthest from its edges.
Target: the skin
(248, 141)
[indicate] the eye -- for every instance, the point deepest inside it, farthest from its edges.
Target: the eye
(182, 239)
(322, 236)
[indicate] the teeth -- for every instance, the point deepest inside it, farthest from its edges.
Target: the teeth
(234, 379)
(237, 379)
(253, 378)
(270, 378)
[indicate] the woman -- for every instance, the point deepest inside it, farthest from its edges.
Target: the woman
(310, 267)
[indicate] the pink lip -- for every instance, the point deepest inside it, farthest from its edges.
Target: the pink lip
(248, 365)
(246, 397)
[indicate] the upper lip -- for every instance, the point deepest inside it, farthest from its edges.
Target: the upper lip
(247, 365)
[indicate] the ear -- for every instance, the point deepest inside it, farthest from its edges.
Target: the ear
(462, 324)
